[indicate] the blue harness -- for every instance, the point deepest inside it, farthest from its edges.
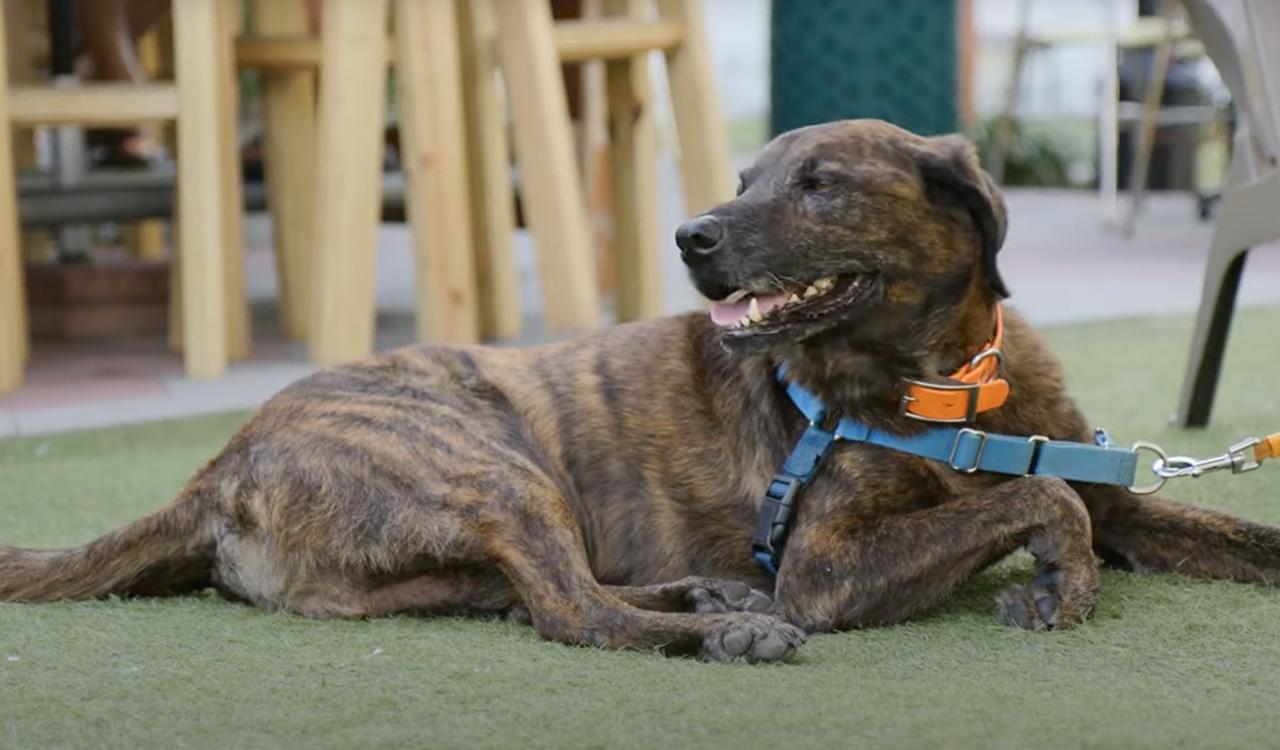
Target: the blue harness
(964, 449)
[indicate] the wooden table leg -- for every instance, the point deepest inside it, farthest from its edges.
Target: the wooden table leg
(634, 152)
(289, 145)
(492, 199)
(201, 224)
(13, 306)
(433, 153)
(348, 178)
(550, 186)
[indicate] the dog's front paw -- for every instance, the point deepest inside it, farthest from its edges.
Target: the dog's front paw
(1039, 605)
(749, 637)
(711, 596)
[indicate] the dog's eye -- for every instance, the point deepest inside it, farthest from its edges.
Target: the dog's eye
(816, 183)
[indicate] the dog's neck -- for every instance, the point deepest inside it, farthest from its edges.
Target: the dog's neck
(868, 380)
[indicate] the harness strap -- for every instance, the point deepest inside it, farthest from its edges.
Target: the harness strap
(964, 449)
(778, 506)
(970, 450)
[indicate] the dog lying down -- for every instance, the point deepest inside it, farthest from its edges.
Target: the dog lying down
(610, 488)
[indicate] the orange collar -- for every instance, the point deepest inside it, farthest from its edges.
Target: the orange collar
(974, 388)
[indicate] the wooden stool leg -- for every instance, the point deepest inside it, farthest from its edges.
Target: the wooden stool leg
(705, 168)
(492, 200)
(201, 223)
(433, 152)
(13, 325)
(289, 145)
(633, 147)
(552, 191)
(229, 183)
(145, 239)
(174, 337)
(348, 178)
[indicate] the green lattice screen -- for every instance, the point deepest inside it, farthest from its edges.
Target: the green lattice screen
(891, 59)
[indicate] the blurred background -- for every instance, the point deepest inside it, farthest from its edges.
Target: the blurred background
(215, 196)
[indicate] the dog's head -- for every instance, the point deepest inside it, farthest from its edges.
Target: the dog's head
(856, 229)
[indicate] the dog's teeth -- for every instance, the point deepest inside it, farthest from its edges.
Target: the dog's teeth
(753, 311)
(793, 299)
(824, 283)
(810, 292)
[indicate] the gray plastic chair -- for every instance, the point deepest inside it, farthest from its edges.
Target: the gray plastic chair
(1242, 37)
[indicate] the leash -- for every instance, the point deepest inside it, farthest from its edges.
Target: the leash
(969, 450)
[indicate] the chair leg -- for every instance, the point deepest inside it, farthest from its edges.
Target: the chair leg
(1147, 131)
(1247, 218)
(550, 186)
(489, 176)
(705, 169)
(229, 183)
(13, 325)
(201, 223)
(633, 150)
(348, 157)
(433, 152)
(1209, 342)
(289, 145)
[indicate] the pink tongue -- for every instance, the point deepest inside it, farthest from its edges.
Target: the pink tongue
(728, 313)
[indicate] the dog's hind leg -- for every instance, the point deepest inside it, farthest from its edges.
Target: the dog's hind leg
(538, 545)
(464, 589)
(448, 591)
(852, 572)
(1146, 533)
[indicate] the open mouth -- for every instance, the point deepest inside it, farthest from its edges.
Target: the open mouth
(749, 312)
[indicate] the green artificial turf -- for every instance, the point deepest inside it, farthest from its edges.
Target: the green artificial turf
(1166, 661)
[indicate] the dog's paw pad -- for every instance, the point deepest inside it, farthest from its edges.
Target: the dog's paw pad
(752, 638)
(1032, 607)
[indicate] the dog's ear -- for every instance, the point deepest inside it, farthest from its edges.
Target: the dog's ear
(952, 175)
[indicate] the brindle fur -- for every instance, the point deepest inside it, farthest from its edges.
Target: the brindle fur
(607, 487)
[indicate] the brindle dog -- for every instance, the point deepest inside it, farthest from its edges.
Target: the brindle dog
(608, 487)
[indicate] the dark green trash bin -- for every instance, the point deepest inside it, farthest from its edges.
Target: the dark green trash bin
(891, 59)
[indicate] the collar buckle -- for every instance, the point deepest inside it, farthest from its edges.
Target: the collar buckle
(972, 393)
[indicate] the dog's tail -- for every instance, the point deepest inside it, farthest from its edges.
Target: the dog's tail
(167, 552)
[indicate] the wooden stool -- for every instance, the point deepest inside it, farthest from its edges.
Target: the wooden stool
(531, 47)
(201, 100)
(329, 233)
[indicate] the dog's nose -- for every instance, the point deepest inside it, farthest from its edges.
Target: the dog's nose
(699, 236)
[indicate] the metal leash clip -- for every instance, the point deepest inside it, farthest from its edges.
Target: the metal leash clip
(1239, 458)
(1245, 455)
